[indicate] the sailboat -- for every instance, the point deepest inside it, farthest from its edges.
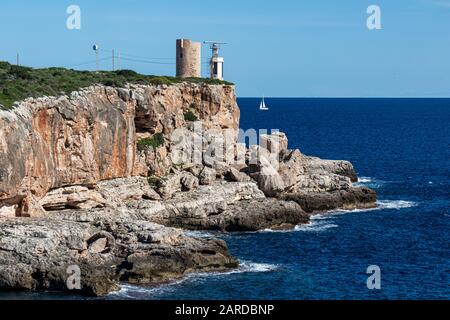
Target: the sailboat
(262, 105)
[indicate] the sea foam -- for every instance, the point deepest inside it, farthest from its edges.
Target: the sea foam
(323, 221)
(395, 204)
(365, 180)
(369, 182)
(128, 291)
(198, 234)
(316, 225)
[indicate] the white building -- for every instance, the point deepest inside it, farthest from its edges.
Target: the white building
(216, 62)
(217, 68)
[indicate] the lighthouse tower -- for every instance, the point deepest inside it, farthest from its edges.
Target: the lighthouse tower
(216, 62)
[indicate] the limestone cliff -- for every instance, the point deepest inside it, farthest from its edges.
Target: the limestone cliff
(102, 201)
(90, 136)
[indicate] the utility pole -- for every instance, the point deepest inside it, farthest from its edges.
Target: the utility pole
(96, 48)
(118, 59)
(112, 59)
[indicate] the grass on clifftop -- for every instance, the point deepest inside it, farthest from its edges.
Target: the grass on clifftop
(18, 83)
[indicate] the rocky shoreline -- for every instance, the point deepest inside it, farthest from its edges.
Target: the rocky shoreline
(84, 197)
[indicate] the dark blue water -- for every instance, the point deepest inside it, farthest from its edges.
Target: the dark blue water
(402, 149)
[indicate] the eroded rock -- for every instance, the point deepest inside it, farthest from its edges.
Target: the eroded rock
(123, 189)
(74, 197)
(269, 180)
(189, 181)
(207, 176)
(40, 254)
(235, 175)
(354, 198)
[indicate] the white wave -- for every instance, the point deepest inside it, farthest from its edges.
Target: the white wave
(198, 234)
(369, 182)
(312, 225)
(319, 222)
(315, 226)
(247, 266)
(276, 231)
(331, 214)
(380, 205)
(395, 204)
(244, 267)
(129, 291)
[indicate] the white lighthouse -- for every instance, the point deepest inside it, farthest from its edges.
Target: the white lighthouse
(216, 63)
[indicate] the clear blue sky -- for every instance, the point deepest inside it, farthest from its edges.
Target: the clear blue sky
(276, 48)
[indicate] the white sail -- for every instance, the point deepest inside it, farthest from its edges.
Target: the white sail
(262, 105)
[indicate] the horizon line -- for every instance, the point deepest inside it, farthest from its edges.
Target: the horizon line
(344, 97)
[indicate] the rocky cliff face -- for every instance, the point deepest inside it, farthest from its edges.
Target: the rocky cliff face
(79, 189)
(91, 136)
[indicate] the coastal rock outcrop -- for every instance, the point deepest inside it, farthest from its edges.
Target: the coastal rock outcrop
(74, 197)
(102, 247)
(347, 199)
(254, 215)
(104, 181)
(222, 206)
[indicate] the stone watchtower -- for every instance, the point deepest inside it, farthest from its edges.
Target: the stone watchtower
(189, 60)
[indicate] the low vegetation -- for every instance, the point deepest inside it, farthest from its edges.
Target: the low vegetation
(18, 83)
(190, 116)
(155, 141)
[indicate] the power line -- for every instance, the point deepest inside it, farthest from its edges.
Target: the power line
(149, 62)
(146, 58)
(91, 62)
(139, 57)
(132, 58)
(86, 63)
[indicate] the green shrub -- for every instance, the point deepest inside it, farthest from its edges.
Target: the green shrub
(190, 116)
(18, 83)
(156, 141)
(208, 81)
(127, 73)
(19, 72)
(5, 100)
(161, 81)
(4, 65)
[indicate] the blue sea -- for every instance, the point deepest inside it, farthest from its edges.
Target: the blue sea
(400, 148)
